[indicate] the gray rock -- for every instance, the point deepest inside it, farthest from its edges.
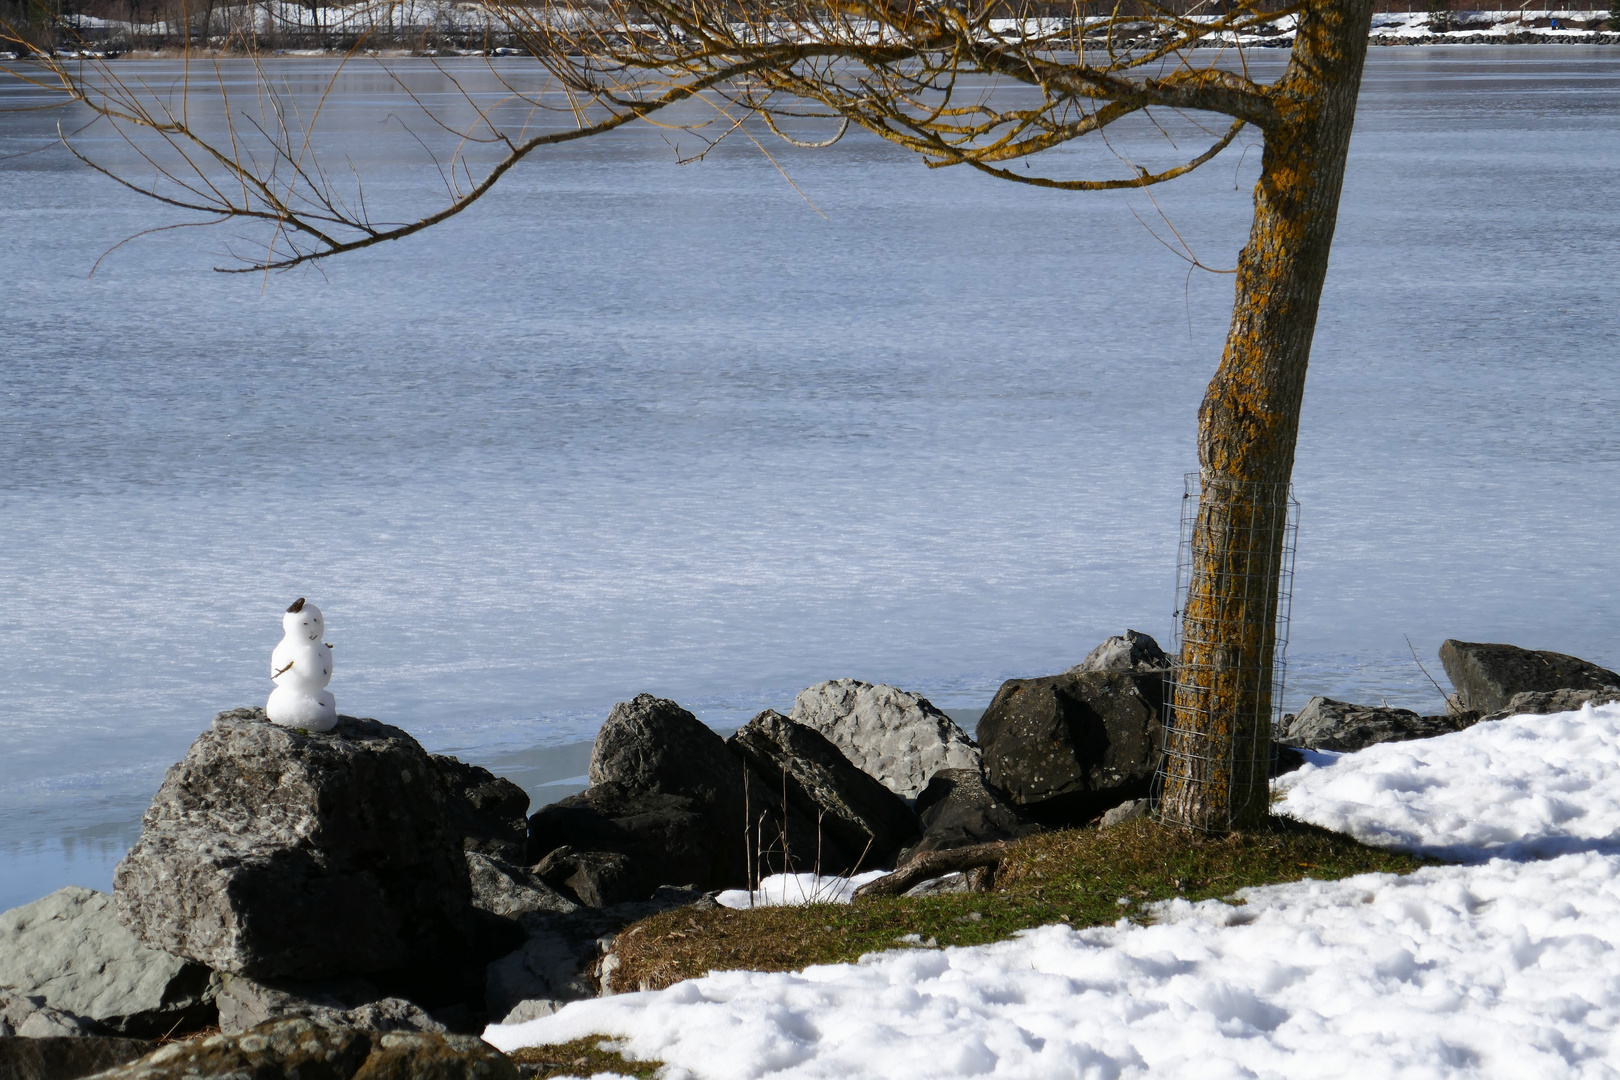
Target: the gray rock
(958, 809)
(301, 1049)
(667, 840)
(512, 892)
(561, 960)
(897, 737)
(653, 746)
(65, 1057)
(244, 1004)
(1134, 810)
(70, 949)
(1541, 702)
(1067, 747)
(1488, 676)
(940, 886)
(594, 878)
(531, 1009)
(490, 812)
(1132, 651)
(33, 1018)
(276, 854)
(1325, 724)
(862, 824)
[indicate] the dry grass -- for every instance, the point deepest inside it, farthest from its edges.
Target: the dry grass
(1075, 876)
(582, 1057)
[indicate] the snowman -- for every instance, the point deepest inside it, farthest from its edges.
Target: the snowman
(301, 666)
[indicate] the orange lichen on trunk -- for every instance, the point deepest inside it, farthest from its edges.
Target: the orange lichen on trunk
(1219, 744)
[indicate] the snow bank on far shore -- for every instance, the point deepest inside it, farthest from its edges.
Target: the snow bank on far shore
(1502, 968)
(779, 889)
(1523, 787)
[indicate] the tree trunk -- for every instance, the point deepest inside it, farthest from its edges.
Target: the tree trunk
(1216, 772)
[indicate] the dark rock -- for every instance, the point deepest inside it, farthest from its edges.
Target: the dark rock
(653, 746)
(897, 737)
(300, 1049)
(512, 892)
(1068, 747)
(490, 812)
(276, 854)
(1132, 651)
(64, 1057)
(1541, 702)
(863, 824)
(245, 1004)
(1284, 759)
(70, 950)
(958, 809)
(562, 959)
(668, 839)
(1488, 676)
(594, 878)
(1325, 724)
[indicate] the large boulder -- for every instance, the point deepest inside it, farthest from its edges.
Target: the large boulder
(275, 853)
(895, 736)
(301, 1049)
(58, 1057)
(653, 746)
(1487, 676)
(70, 951)
(862, 823)
(1326, 724)
(1130, 651)
(1067, 747)
(490, 812)
(668, 839)
(958, 809)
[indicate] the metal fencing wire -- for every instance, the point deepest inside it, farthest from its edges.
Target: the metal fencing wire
(1218, 714)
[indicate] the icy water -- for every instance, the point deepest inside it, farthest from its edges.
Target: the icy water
(631, 426)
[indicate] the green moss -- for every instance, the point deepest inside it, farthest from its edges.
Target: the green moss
(582, 1057)
(1074, 876)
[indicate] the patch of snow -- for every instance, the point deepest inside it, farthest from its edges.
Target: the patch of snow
(1502, 967)
(1523, 787)
(793, 889)
(1505, 970)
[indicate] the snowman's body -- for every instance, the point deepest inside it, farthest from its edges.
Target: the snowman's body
(301, 666)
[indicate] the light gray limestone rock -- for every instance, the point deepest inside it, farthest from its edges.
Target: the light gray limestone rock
(895, 736)
(70, 949)
(245, 1004)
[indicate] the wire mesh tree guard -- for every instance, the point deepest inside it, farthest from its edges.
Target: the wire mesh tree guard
(1234, 595)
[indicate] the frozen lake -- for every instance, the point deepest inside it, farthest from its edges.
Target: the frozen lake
(631, 426)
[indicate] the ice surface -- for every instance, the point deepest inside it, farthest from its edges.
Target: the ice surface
(1505, 967)
(779, 889)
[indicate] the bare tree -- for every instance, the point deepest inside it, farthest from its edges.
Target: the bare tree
(912, 72)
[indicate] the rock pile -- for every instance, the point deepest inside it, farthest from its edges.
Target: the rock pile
(1326, 724)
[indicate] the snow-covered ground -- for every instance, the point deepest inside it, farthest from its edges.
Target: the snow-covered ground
(1507, 966)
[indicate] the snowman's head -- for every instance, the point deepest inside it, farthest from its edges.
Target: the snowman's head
(303, 620)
